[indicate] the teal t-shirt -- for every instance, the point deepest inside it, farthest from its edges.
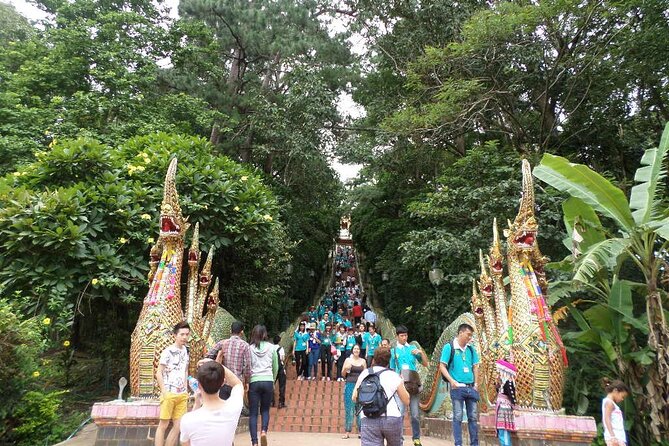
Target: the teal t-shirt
(326, 340)
(300, 341)
(350, 342)
(462, 367)
(321, 325)
(404, 357)
(370, 343)
(338, 341)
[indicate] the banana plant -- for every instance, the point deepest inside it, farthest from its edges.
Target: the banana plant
(641, 236)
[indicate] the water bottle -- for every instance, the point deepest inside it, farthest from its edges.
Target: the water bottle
(192, 382)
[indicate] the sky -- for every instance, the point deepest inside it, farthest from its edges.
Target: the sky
(346, 105)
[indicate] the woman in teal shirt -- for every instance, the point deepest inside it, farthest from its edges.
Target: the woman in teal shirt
(300, 339)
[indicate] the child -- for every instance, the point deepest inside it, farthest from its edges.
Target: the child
(506, 399)
(612, 416)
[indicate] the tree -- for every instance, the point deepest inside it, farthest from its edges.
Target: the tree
(77, 224)
(641, 239)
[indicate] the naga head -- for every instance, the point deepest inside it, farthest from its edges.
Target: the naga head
(485, 281)
(495, 260)
(194, 251)
(172, 222)
(205, 274)
(212, 300)
(154, 255)
(477, 303)
(522, 233)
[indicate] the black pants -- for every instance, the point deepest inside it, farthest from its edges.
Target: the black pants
(340, 362)
(326, 361)
(281, 379)
(301, 363)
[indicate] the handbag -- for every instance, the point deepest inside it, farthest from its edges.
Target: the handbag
(333, 350)
(411, 381)
(411, 378)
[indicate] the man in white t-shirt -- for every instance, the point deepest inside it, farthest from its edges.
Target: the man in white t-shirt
(389, 426)
(215, 423)
(172, 376)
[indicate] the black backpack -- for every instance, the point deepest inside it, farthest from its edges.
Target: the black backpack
(372, 397)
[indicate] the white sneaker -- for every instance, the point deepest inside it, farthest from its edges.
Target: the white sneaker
(300, 378)
(328, 379)
(323, 379)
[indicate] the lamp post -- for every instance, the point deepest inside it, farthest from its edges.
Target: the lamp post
(288, 270)
(436, 275)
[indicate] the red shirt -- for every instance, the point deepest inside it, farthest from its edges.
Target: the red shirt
(357, 311)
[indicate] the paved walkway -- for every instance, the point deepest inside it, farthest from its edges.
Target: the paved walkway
(87, 438)
(303, 439)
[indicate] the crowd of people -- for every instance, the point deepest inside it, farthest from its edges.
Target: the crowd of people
(340, 336)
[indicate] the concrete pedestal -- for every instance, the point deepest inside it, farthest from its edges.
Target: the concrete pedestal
(533, 429)
(122, 423)
(131, 423)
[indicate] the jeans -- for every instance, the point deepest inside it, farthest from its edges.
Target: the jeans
(260, 395)
(374, 430)
(314, 354)
(414, 411)
(469, 397)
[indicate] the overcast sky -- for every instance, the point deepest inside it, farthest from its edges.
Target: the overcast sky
(346, 104)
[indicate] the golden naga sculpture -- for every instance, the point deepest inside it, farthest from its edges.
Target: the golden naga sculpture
(488, 348)
(537, 348)
(496, 263)
(161, 308)
(198, 287)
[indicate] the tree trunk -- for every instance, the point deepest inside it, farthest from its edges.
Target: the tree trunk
(658, 384)
(213, 138)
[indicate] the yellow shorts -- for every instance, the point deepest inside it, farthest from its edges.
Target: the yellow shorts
(173, 406)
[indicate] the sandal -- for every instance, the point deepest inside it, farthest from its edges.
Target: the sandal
(263, 438)
(345, 436)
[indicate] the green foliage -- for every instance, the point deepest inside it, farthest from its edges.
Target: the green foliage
(636, 252)
(77, 223)
(37, 413)
(21, 343)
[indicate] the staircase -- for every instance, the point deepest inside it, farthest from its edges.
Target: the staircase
(313, 406)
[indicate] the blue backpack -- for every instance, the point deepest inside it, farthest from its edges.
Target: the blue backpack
(371, 395)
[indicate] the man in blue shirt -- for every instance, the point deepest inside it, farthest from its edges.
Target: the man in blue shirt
(459, 366)
(404, 357)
